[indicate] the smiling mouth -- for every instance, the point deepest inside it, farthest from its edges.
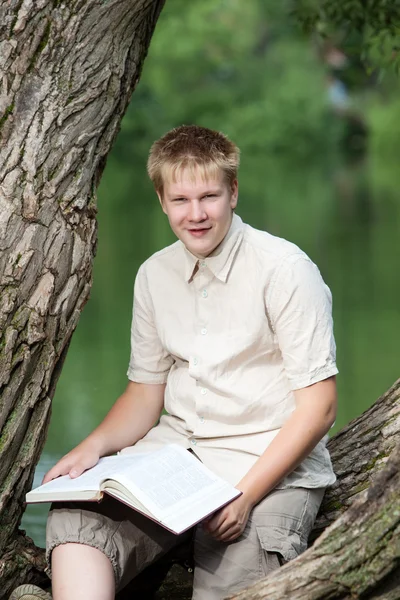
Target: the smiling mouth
(199, 232)
(199, 228)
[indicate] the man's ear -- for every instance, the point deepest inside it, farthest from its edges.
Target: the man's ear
(234, 193)
(159, 194)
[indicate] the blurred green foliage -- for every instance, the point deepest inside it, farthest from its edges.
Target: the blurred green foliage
(382, 110)
(249, 70)
(243, 68)
(375, 23)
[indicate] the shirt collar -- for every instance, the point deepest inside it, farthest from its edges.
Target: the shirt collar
(220, 260)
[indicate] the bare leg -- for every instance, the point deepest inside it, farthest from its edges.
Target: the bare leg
(82, 573)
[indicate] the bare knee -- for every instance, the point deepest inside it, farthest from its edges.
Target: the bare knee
(81, 572)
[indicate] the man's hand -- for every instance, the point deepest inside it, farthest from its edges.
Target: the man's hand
(74, 463)
(228, 523)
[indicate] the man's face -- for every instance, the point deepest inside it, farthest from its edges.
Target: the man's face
(199, 211)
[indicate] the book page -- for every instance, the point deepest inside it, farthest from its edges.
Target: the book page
(89, 481)
(170, 478)
(170, 485)
(183, 516)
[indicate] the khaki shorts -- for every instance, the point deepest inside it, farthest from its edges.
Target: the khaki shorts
(276, 532)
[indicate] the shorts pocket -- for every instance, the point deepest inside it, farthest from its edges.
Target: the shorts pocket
(281, 540)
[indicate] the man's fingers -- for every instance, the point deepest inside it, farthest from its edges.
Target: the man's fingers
(228, 532)
(216, 521)
(76, 471)
(214, 525)
(63, 467)
(230, 535)
(223, 529)
(69, 465)
(54, 472)
(48, 477)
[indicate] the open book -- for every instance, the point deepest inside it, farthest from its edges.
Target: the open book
(170, 486)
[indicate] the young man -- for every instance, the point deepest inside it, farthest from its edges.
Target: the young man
(232, 335)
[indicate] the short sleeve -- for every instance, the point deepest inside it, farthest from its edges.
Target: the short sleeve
(149, 361)
(300, 309)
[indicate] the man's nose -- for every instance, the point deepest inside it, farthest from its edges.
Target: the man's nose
(197, 212)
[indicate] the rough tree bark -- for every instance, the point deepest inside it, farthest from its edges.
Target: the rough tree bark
(67, 72)
(359, 451)
(357, 557)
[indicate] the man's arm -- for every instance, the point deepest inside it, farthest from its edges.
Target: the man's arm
(134, 413)
(314, 415)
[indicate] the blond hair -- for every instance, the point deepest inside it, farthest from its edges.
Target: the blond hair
(197, 150)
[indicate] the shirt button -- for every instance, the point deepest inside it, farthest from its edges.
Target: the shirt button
(193, 442)
(195, 361)
(203, 391)
(202, 419)
(204, 293)
(203, 263)
(203, 331)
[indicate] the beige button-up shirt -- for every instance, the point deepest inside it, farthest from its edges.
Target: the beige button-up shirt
(232, 335)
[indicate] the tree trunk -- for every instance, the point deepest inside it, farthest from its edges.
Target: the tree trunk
(67, 72)
(359, 452)
(356, 557)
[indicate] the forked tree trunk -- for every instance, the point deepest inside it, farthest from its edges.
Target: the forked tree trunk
(67, 72)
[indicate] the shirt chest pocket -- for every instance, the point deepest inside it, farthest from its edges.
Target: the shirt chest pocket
(240, 332)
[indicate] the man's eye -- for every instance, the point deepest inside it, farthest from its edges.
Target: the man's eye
(179, 200)
(210, 195)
